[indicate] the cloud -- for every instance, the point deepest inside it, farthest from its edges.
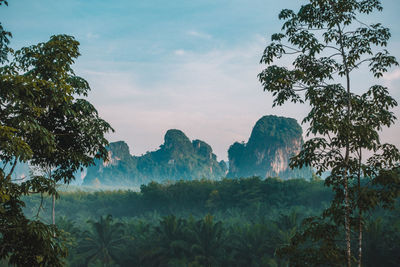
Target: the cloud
(213, 96)
(392, 76)
(199, 34)
(392, 81)
(179, 52)
(92, 36)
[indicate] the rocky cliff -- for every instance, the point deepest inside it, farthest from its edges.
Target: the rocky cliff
(178, 158)
(119, 169)
(273, 141)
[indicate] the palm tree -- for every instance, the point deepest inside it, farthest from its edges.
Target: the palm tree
(381, 242)
(103, 242)
(207, 242)
(139, 238)
(253, 245)
(170, 243)
(288, 225)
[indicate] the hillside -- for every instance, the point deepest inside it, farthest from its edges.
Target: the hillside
(178, 158)
(273, 141)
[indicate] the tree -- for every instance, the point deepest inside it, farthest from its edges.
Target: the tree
(103, 242)
(253, 244)
(329, 44)
(74, 130)
(43, 122)
(207, 241)
(171, 244)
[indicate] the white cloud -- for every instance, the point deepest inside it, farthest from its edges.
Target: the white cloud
(199, 34)
(92, 36)
(213, 96)
(392, 76)
(180, 52)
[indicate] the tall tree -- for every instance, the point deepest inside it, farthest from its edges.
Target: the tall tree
(103, 242)
(172, 246)
(329, 44)
(207, 242)
(41, 121)
(75, 131)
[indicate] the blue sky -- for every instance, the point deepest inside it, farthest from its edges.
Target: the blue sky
(190, 65)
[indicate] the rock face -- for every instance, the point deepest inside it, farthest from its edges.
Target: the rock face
(119, 168)
(273, 141)
(178, 158)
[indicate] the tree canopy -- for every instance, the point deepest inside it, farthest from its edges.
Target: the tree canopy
(44, 122)
(329, 44)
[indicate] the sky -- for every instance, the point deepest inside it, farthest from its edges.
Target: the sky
(155, 65)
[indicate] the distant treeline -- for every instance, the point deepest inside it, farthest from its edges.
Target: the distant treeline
(232, 222)
(197, 197)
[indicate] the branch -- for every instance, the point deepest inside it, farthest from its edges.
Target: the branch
(5, 165)
(359, 63)
(17, 179)
(311, 29)
(41, 205)
(292, 53)
(332, 47)
(289, 47)
(13, 167)
(299, 89)
(336, 54)
(362, 23)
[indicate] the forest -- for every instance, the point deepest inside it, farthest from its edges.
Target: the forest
(351, 217)
(231, 222)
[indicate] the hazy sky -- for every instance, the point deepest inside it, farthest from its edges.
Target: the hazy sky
(192, 65)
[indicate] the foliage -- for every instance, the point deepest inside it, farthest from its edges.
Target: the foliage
(172, 225)
(272, 142)
(178, 158)
(329, 43)
(103, 242)
(41, 121)
(199, 197)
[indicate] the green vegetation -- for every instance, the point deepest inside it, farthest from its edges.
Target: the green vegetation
(44, 121)
(328, 43)
(197, 197)
(171, 225)
(178, 158)
(272, 142)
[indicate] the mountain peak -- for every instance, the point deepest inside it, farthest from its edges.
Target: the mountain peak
(176, 138)
(273, 141)
(274, 129)
(178, 158)
(119, 149)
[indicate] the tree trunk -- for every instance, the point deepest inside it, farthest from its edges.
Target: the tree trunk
(54, 210)
(53, 213)
(347, 221)
(360, 232)
(347, 153)
(360, 224)
(12, 168)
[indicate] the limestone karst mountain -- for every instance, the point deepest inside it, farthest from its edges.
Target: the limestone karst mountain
(267, 153)
(178, 158)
